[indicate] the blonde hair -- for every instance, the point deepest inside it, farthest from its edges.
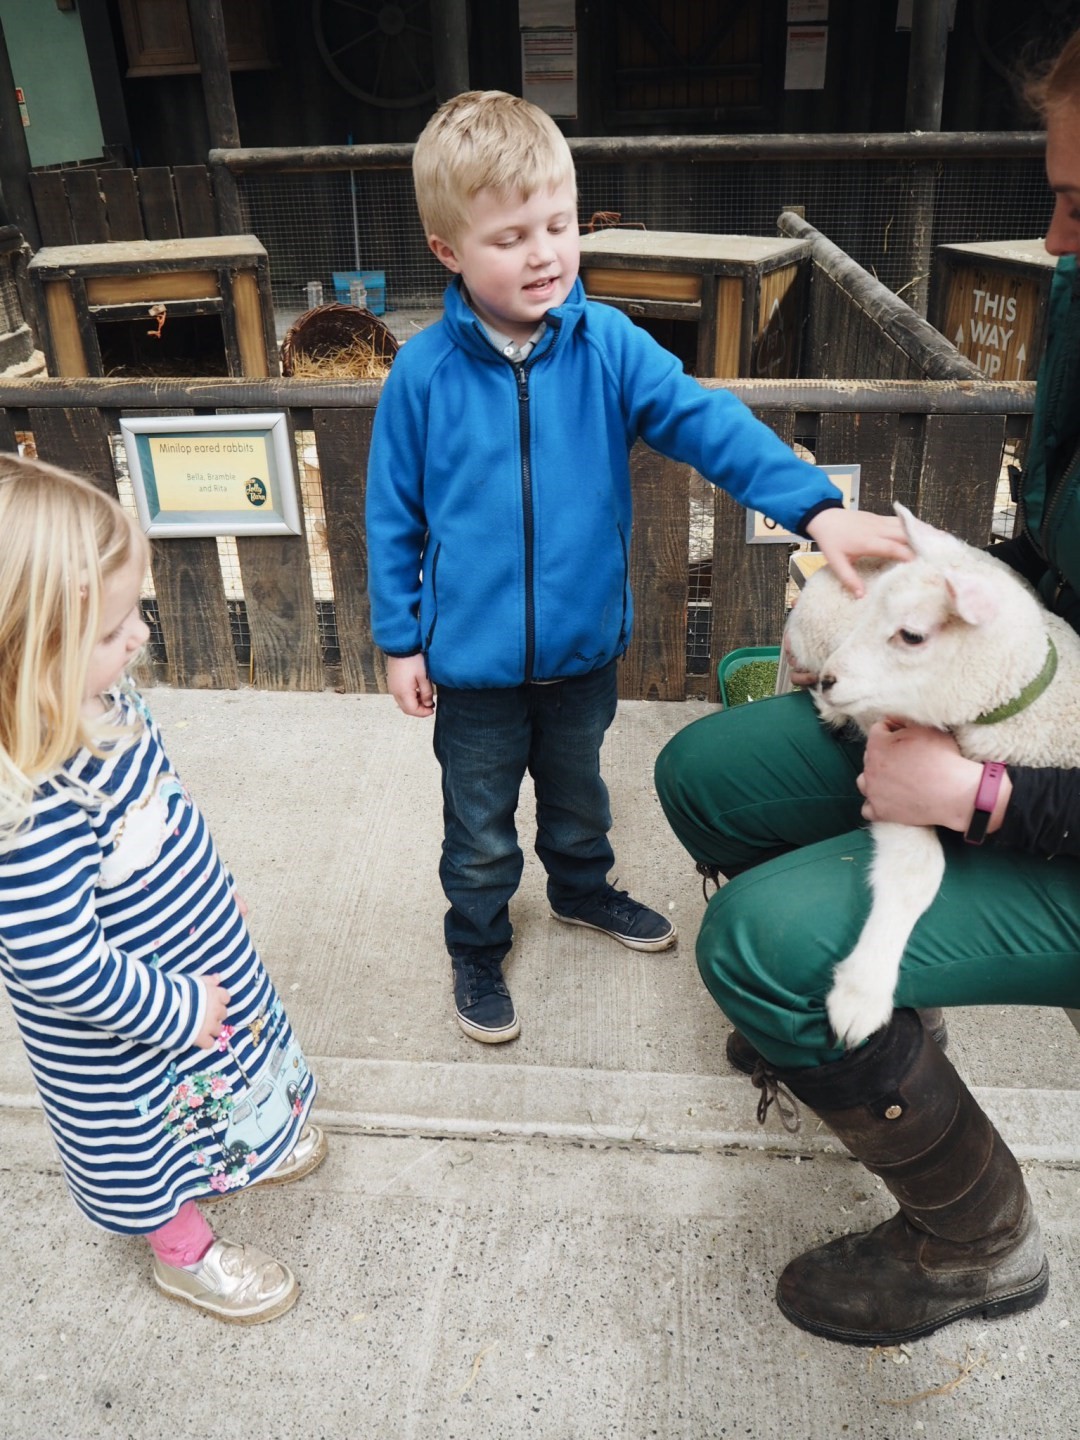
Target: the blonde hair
(61, 540)
(484, 140)
(1058, 85)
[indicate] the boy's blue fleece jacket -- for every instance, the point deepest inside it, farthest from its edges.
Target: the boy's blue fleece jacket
(498, 496)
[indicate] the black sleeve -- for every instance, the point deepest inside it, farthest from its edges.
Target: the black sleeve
(1043, 817)
(1020, 554)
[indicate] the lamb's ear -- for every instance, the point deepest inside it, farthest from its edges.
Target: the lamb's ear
(927, 542)
(974, 596)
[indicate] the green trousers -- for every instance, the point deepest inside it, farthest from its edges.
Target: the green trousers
(767, 794)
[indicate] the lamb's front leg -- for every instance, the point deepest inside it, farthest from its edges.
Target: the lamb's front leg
(905, 874)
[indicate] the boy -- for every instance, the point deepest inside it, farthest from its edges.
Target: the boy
(498, 520)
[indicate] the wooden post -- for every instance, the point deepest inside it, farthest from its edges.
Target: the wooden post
(15, 156)
(926, 64)
(450, 39)
(208, 31)
(926, 82)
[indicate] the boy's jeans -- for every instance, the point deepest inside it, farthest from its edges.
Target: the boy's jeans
(485, 740)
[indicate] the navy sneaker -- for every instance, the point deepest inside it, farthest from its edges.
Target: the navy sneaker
(613, 912)
(484, 1008)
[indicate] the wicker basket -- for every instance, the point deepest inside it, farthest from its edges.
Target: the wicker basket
(329, 329)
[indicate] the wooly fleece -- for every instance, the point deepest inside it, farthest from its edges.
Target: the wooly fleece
(944, 641)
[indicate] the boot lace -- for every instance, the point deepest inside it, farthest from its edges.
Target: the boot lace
(708, 872)
(773, 1092)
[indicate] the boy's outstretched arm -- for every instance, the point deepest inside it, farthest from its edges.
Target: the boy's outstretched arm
(407, 680)
(843, 536)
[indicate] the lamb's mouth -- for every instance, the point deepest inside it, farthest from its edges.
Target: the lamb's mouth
(834, 699)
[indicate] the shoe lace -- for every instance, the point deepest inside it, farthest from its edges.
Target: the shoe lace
(488, 978)
(773, 1092)
(619, 905)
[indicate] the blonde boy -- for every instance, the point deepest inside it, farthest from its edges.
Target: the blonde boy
(499, 522)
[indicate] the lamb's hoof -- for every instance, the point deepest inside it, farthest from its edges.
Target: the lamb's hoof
(856, 1013)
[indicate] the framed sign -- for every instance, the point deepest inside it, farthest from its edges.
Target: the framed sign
(760, 530)
(212, 474)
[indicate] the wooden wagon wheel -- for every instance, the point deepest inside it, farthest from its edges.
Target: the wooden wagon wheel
(381, 53)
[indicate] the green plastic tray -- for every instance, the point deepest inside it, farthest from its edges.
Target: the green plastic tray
(736, 659)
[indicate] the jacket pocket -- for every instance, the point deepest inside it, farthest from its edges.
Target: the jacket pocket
(434, 600)
(624, 638)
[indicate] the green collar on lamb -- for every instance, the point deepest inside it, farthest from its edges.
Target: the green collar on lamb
(1031, 691)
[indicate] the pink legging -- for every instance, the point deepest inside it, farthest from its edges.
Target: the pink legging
(184, 1239)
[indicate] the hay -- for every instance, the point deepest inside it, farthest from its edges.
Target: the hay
(338, 342)
(357, 360)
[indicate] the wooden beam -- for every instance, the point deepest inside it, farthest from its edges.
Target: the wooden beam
(902, 397)
(935, 356)
(211, 48)
(15, 155)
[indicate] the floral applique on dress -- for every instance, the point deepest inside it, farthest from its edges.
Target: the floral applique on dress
(225, 1130)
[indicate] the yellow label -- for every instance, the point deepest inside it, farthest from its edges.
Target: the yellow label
(224, 472)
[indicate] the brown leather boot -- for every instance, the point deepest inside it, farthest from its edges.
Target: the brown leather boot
(965, 1241)
(743, 1057)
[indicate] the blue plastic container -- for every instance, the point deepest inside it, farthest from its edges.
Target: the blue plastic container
(374, 284)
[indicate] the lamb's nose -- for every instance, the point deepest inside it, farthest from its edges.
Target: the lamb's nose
(826, 682)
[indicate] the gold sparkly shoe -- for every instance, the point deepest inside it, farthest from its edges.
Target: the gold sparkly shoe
(307, 1155)
(236, 1283)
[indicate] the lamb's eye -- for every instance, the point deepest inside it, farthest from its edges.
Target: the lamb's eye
(911, 637)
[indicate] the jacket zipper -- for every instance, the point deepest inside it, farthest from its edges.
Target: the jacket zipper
(1054, 494)
(1071, 470)
(521, 374)
(521, 369)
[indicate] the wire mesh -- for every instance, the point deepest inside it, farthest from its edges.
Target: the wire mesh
(315, 223)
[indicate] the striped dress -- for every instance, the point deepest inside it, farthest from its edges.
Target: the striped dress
(111, 902)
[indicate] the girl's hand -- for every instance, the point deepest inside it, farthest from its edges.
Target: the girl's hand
(844, 536)
(217, 1005)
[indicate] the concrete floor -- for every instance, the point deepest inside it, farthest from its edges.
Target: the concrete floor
(573, 1237)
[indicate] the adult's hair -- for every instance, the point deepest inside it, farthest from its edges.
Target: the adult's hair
(1058, 85)
(484, 140)
(61, 539)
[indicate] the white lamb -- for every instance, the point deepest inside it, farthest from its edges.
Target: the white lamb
(954, 640)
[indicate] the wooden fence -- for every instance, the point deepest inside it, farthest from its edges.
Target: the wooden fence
(935, 445)
(91, 206)
(856, 326)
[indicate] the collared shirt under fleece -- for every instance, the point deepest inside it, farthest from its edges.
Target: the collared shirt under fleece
(498, 495)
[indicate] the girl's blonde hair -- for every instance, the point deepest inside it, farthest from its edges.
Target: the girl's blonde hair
(61, 540)
(1058, 85)
(484, 140)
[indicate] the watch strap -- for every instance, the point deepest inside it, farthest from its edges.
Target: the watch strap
(985, 800)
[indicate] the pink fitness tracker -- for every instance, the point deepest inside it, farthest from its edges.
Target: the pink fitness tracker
(985, 800)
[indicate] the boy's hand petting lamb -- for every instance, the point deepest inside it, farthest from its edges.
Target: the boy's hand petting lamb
(954, 641)
(844, 536)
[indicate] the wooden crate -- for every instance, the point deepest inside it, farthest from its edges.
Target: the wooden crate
(727, 305)
(990, 299)
(191, 307)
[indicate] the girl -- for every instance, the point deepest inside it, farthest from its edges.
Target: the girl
(165, 1062)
